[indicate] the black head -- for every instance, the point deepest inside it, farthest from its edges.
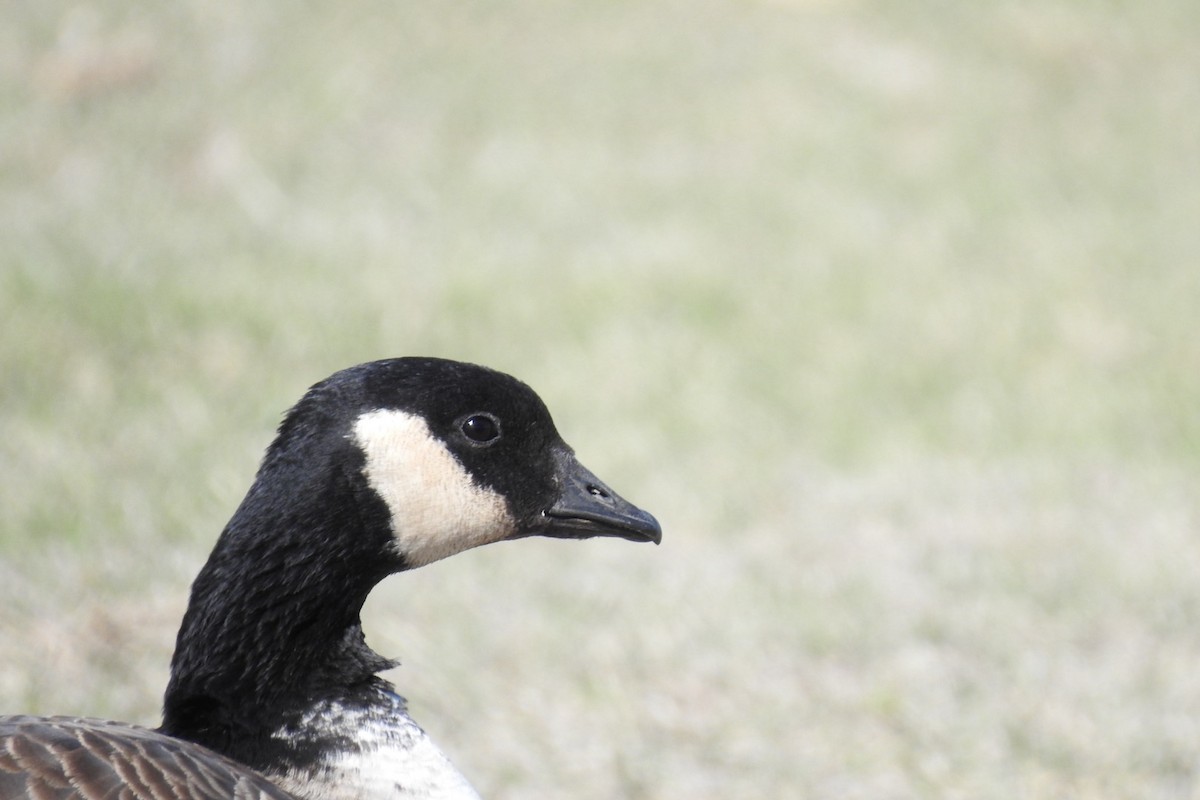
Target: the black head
(461, 455)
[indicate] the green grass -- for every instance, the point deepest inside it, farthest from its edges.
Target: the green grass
(886, 310)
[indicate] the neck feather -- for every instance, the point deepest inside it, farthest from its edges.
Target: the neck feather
(272, 625)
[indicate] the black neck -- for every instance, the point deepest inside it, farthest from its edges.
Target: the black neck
(273, 621)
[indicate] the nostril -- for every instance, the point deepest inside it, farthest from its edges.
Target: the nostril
(598, 491)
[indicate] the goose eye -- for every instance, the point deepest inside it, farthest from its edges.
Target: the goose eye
(481, 428)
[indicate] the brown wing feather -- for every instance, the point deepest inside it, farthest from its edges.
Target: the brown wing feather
(62, 758)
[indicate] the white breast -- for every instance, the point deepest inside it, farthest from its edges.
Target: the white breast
(392, 757)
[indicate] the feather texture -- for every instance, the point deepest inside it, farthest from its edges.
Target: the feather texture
(67, 758)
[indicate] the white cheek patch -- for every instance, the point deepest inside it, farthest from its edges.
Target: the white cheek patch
(437, 509)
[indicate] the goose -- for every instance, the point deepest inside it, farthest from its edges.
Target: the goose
(273, 691)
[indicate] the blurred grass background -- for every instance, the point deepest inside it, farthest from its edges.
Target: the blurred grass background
(886, 310)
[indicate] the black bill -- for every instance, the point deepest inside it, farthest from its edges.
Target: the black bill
(586, 507)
